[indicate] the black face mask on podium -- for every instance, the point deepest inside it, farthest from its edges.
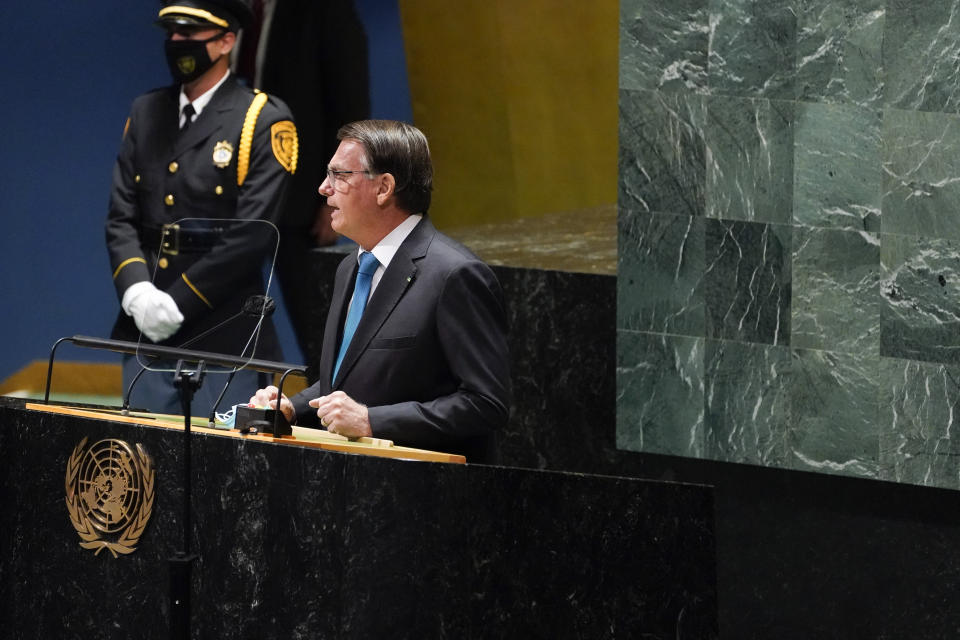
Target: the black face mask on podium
(188, 59)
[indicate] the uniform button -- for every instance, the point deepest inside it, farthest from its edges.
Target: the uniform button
(219, 190)
(163, 263)
(169, 200)
(173, 166)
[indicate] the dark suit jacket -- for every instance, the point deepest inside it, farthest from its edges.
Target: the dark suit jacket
(429, 357)
(163, 175)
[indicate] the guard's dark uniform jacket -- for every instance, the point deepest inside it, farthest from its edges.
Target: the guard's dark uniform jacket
(232, 163)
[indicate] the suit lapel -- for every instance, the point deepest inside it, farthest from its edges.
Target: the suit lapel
(395, 282)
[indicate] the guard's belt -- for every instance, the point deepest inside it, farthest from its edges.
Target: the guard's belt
(172, 240)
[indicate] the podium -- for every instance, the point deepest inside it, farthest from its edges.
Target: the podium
(296, 539)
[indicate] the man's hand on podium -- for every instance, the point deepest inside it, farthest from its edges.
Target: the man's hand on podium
(343, 415)
(267, 397)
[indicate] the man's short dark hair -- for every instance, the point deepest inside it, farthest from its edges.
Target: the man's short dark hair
(401, 150)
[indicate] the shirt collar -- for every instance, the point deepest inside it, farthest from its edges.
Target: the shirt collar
(203, 100)
(387, 248)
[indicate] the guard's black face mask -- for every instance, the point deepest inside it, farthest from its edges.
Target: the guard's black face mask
(188, 59)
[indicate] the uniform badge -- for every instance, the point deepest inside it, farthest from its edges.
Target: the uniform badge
(222, 153)
(283, 136)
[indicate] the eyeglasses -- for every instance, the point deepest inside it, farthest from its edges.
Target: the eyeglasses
(337, 176)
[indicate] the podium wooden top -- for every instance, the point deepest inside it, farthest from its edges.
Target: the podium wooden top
(302, 436)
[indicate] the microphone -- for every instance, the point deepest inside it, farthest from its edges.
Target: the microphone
(258, 306)
(252, 306)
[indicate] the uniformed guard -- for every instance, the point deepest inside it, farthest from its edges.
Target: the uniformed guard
(205, 148)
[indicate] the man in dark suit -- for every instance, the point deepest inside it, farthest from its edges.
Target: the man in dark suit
(213, 152)
(426, 364)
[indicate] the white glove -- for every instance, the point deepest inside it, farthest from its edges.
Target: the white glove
(154, 311)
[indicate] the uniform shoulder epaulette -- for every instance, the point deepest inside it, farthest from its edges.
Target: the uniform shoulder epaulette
(283, 138)
(246, 136)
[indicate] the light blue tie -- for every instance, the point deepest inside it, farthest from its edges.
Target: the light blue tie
(361, 291)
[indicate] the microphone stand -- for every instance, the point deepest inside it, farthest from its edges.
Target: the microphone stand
(211, 419)
(249, 308)
(125, 407)
(181, 564)
(171, 353)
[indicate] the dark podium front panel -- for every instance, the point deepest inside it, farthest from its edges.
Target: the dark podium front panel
(298, 542)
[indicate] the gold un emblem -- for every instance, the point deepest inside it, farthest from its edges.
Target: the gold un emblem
(109, 494)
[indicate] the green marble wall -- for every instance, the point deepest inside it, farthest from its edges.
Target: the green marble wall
(789, 234)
